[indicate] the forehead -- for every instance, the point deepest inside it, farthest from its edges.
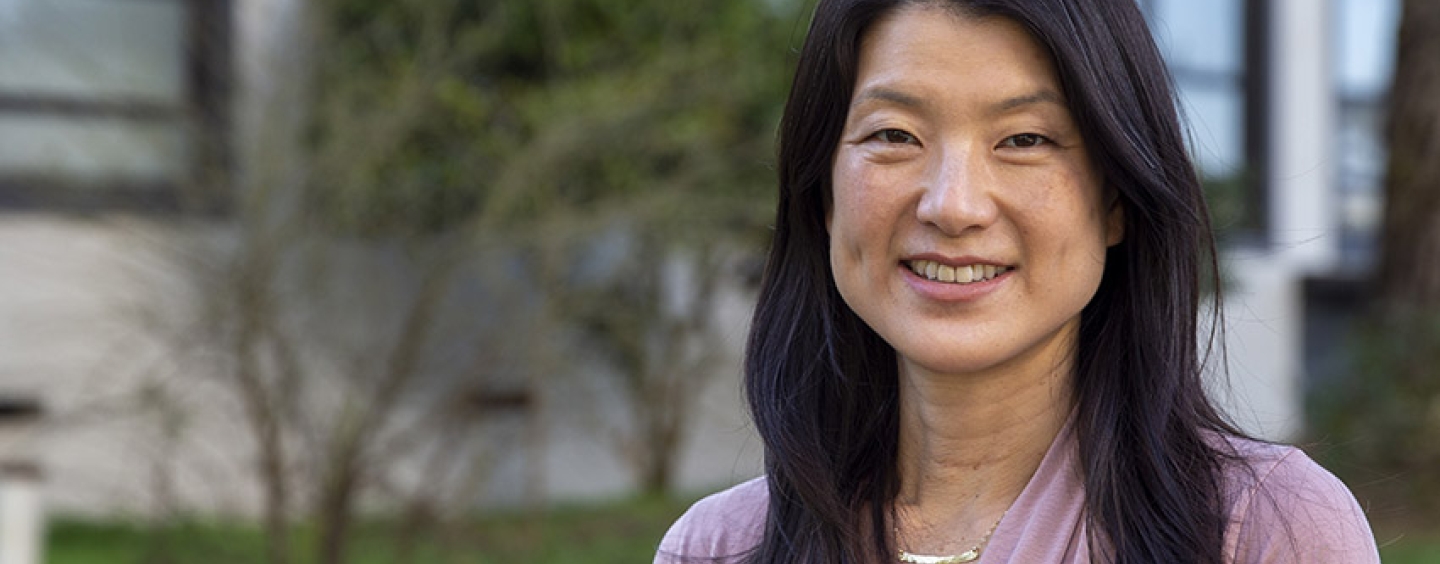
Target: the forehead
(930, 50)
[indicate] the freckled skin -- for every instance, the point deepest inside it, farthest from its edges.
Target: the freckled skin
(958, 143)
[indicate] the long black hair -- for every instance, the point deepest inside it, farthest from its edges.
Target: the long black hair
(822, 386)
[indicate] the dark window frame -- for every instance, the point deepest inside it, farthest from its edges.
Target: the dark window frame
(1257, 130)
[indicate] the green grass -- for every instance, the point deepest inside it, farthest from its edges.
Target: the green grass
(1411, 553)
(1409, 548)
(92, 543)
(622, 532)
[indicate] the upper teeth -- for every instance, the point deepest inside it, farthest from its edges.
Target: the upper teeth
(957, 274)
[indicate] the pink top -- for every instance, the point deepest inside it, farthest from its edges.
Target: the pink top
(1289, 510)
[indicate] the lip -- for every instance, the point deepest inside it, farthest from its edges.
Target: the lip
(953, 261)
(947, 291)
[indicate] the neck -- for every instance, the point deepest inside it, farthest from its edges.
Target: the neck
(970, 443)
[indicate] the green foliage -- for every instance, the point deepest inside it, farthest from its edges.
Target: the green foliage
(432, 114)
(541, 128)
(1230, 212)
(1382, 421)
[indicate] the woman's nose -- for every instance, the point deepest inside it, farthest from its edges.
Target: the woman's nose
(958, 193)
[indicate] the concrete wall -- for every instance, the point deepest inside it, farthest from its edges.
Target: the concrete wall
(83, 306)
(97, 319)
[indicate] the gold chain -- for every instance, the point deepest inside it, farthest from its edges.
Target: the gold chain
(967, 556)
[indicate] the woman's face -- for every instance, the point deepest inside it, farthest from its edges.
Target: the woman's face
(967, 228)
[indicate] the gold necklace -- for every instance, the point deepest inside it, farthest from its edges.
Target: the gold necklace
(967, 556)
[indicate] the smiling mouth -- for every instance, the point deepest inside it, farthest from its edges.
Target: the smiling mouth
(968, 274)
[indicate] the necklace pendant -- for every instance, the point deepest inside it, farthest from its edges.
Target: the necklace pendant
(967, 556)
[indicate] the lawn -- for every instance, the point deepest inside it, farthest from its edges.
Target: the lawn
(612, 533)
(594, 534)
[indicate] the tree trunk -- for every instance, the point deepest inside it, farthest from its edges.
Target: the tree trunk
(253, 309)
(336, 509)
(1390, 408)
(1410, 239)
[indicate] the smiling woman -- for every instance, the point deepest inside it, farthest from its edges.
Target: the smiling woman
(976, 338)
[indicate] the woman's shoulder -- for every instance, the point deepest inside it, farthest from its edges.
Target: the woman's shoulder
(722, 527)
(1284, 507)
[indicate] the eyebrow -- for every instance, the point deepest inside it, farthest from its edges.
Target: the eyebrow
(887, 95)
(1044, 95)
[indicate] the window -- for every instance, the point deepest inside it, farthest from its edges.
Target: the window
(112, 103)
(1213, 49)
(1364, 58)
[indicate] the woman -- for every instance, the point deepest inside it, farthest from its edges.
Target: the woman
(976, 336)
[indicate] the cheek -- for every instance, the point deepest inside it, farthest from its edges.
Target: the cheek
(1068, 217)
(843, 218)
(863, 193)
(1088, 237)
(846, 227)
(857, 224)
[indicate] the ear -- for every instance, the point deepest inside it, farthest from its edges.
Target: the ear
(1115, 220)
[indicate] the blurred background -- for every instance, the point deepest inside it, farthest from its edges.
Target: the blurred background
(334, 281)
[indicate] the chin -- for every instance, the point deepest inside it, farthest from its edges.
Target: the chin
(956, 364)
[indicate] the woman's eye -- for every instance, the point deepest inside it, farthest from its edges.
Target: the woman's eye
(1024, 141)
(895, 136)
